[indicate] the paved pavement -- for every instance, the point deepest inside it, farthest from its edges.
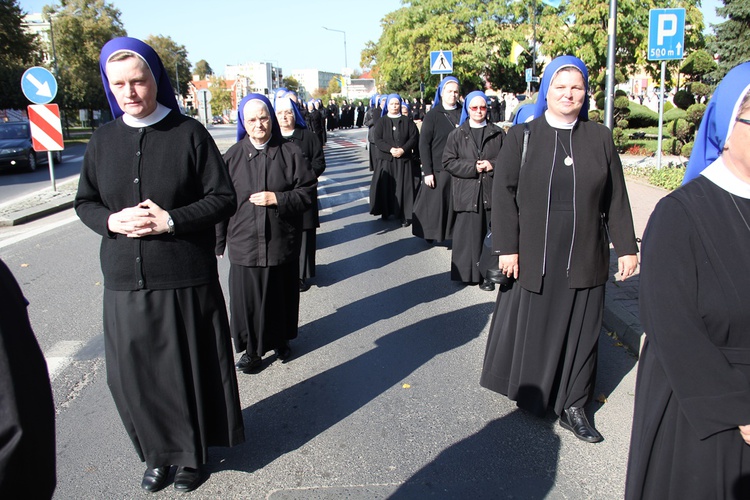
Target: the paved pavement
(621, 298)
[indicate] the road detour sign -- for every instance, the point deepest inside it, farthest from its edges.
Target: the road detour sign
(46, 129)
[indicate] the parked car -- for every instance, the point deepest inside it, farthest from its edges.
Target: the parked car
(16, 149)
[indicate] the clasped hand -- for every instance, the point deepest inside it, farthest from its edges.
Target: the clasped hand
(146, 218)
(263, 198)
(483, 166)
(397, 152)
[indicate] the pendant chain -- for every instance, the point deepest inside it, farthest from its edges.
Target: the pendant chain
(739, 212)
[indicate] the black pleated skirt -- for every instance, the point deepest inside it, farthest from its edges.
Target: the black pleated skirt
(170, 369)
(468, 238)
(542, 347)
(264, 306)
(433, 210)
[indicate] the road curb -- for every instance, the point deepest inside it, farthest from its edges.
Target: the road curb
(623, 323)
(30, 214)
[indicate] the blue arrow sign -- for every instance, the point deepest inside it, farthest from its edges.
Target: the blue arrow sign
(666, 34)
(38, 85)
(441, 62)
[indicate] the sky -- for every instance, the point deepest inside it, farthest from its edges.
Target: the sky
(238, 31)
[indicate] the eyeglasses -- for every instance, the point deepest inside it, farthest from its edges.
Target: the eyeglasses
(477, 108)
(744, 120)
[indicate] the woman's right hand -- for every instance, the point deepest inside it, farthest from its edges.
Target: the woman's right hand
(429, 181)
(508, 264)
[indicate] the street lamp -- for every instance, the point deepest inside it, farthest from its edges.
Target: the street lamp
(346, 63)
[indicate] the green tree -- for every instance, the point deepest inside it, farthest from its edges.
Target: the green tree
(291, 83)
(732, 36)
(81, 28)
(18, 52)
(202, 69)
(221, 96)
(174, 58)
(697, 65)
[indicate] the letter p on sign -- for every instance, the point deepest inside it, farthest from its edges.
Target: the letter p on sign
(662, 31)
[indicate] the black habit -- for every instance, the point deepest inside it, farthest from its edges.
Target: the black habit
(264, 243)
(433, 209)
(693, 386)
(542, 346)
(27, 412)
(168, 352)
(472, 194)
(395, 180)
(312, 150)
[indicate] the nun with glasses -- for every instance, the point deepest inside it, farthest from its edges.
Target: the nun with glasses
(433, 209)
(552, 220)
(275, 186)
(396, 177)
(691, 422)
(294, 129)
(153, 185)
(470, 156)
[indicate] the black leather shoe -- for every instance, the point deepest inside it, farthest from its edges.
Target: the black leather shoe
(487, 286)
(155, 479)
(248, 363)
(574, 419)
(284, 353)
(303, 285)
(187, 479)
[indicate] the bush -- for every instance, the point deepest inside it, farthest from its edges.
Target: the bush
(638, 150)
(674, 114)
(695, 114)
(620, 93)
(596, 116)
(687, 149)
(683, 99)
(669, 177)
(618, 136)
(700, 90)
(641, 116)
(671, 146)
(680, 129)
(668, 106)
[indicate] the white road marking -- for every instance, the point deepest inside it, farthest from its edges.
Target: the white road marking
(37, 231)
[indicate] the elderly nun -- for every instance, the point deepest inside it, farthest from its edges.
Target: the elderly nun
(275, 186)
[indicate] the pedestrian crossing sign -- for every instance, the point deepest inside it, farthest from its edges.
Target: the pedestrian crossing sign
(441, 62)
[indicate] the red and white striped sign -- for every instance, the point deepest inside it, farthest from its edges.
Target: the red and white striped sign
(46, 129)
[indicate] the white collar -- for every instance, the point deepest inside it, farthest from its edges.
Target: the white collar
(477, 125)
(449, 108)
(719, 174)
(158, 115)
(555, 123)
(259, 147)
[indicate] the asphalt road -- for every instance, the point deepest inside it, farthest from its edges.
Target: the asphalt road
(380, 400)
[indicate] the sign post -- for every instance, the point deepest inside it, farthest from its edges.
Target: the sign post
(40, 87)
(441, 62)
(666, 41)
(204, 97)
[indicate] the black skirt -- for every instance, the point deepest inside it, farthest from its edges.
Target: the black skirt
(433, 210)
(264, 306)
(170, 369)
(542, 347)
(468, 239)
(307, 254)
(393, 188)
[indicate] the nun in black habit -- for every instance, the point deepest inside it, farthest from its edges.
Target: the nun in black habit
(551, 220)
(691, 424)
(153, 185)
(275, 186)
(396, 177)
(294, 129)
(433, 208)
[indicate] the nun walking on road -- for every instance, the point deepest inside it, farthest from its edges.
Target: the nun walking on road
(552, 219)
(396, 177)
(433, 208)
(470, 156)
(294, 130)
(275, 185)
(153, 185)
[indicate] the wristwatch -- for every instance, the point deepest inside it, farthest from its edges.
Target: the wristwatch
(170, 225)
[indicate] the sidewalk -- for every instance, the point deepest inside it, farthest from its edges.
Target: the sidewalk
(621, 298)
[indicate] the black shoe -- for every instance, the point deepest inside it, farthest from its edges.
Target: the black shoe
(487, 286)
(574, 419)
(155, 479)
(248, 363)
(284, 353)
(187, 479)
(303, 285)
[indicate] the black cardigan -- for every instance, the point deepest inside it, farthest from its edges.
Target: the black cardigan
(437, 124)
(176, 164)
(460, 158)
(521, 198)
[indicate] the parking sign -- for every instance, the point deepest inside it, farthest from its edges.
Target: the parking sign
(666, 34)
